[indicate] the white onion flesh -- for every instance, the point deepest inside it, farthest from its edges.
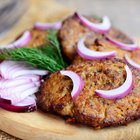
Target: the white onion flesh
(19, 82)
(14, 69)
(128, 47)
(22, 41)
(98, 27)
(121, 91)
(45, 26)
(78, 83)
(88, 54)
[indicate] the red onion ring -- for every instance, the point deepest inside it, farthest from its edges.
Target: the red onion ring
(27, 105)
(13, 83)
(129, 47)
(22, 41)
(23, 82)
(78, 82)
(121, 91)
(24, 90)
(44, 26)
(98, 27)
(88, 54)
(2, 100)
(131, 62)
(14, 69)
(28, 72)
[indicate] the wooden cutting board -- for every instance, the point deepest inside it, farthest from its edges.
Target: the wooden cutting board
(43, 126)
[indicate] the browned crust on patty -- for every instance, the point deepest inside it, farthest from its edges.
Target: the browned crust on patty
(88, 108)
(72, 30)
(135, 55)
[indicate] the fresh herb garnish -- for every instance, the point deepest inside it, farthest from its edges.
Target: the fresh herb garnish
(53, 43)
(47, 57)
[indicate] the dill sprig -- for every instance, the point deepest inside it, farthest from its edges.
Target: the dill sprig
(46, 57)
(52, 43)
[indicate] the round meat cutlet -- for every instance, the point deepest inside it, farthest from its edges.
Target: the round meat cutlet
(89, 108)
(102, 45)
(72, 30)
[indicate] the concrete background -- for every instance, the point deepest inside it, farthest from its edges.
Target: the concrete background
(125, 14)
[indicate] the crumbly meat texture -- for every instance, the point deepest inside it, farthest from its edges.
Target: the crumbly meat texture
(89, 108)
(135, 55)
(100, 44)
(38, 38)
(72, 30)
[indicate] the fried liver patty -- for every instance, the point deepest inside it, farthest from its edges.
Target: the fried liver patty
(72, 30)
(89, 108)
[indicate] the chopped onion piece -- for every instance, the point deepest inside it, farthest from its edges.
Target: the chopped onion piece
(13, 82)
(129, 47)
(19, 81)
(131, 62)
(14, 69)
(44, 26)
(86, 53)
(26, 105)
(98, 27)
(2, 100)
(22, 41)
(78, 82)
(29, 72)
(18, 96)
(10, 92)
(121, 91)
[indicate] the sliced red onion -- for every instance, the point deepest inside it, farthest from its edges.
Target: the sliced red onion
(98, 27)
(19, 94)
(78, 82)
(17, 98)
(14, 69)
(129, 47)
(8, 92)
(131, 62)
(13, 83)
(2, 100)
(31, 78)
(44, 26)
(29, 72)
(121, 91)
(26, 105)
(27, 101)
(22, 41)
(86, 53)
(6, 67)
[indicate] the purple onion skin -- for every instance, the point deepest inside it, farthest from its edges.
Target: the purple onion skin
(19, 109)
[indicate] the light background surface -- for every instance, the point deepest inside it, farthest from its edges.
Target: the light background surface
(125, 14)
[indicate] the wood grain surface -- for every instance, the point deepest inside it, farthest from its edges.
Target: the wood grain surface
(38, 125)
